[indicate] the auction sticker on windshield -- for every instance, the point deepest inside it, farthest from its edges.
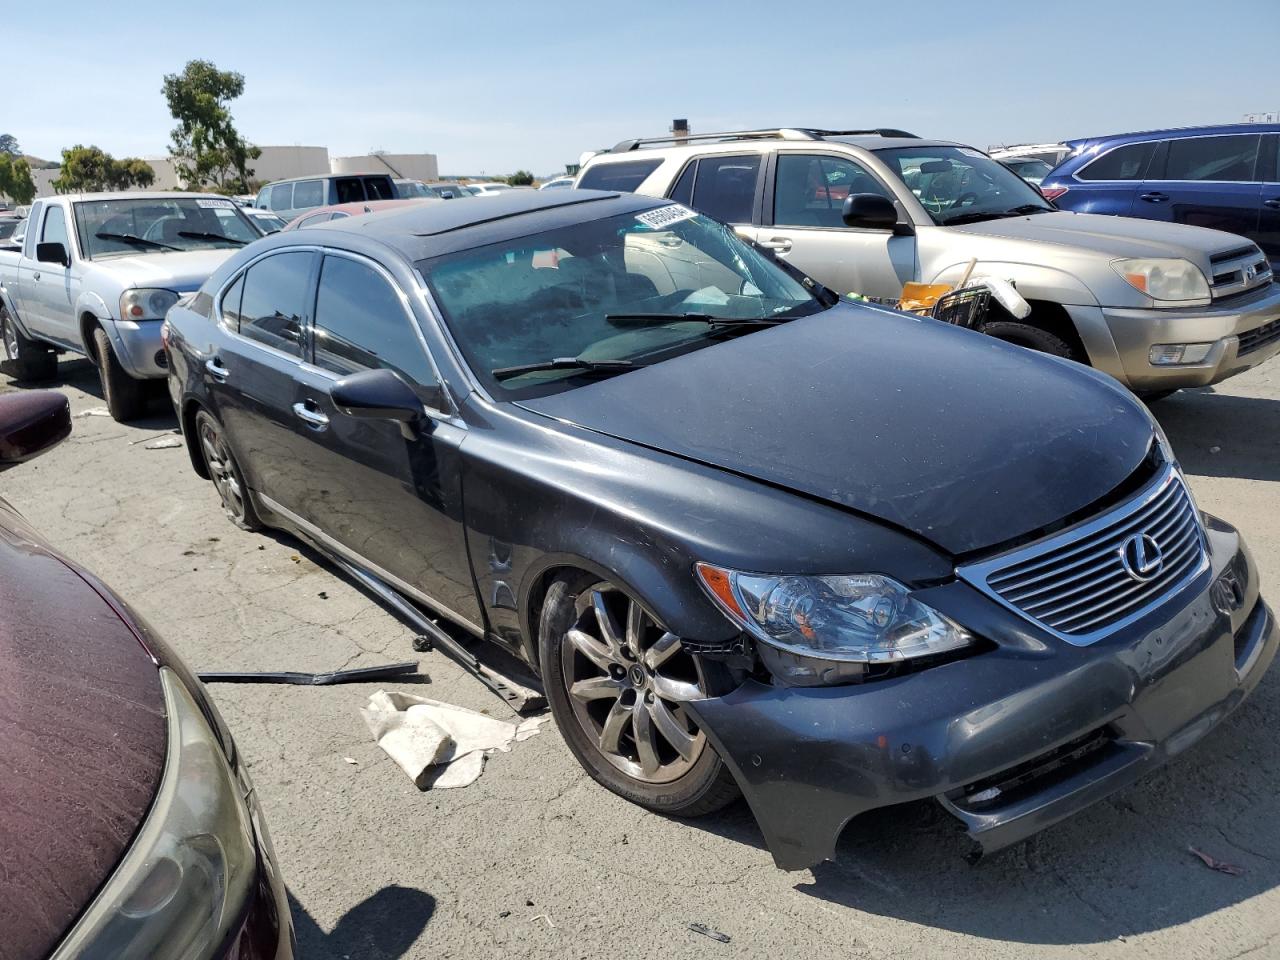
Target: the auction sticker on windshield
(214, 203)
(665, 216)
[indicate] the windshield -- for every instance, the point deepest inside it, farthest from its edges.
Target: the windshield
(592, 290)
(160, 225)
(962, 185)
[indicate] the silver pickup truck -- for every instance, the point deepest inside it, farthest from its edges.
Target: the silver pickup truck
(96, 275)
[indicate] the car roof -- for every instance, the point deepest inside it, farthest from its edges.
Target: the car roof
(751, 144)
(329, 176)
(431, 229)
(1141, 135)
(359, 207)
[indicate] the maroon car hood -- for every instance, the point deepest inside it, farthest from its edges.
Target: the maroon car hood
(82, 741)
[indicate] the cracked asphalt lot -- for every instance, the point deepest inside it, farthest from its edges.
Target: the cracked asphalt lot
(535, 860)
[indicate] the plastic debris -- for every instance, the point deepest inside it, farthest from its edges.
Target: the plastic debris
(438, 744)
(351, 760)
(168, 443)
(1230, 869)
(94, 412)
(706, 931)
(354, 675)
(543, 916)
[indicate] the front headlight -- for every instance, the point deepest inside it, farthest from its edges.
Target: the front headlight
(832, 622)
(146, 303)
(182, 884)
(1169, 280)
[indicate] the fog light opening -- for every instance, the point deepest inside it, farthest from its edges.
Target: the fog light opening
(1178, 354)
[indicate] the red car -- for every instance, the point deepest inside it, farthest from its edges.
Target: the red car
(130, 828)
(340, 210)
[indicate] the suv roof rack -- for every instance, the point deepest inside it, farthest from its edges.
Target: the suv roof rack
(770, 133)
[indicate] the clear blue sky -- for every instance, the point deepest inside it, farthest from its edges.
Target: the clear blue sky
(496, 86)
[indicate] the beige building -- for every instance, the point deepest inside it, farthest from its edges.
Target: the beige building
(409, 166)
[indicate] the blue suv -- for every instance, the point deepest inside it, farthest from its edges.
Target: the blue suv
(1226, 178)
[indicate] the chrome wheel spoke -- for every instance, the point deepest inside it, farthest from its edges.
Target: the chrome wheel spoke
(592, 649)
(677, 690)
(595, 688)
(672, 730)
(646, 744)
(608, 626)
(666, 647)
(614, 725)
(635, 626)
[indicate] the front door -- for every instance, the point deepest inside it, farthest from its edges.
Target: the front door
(391, 503)
(803, 224)
(1205, 182)
(49, 300)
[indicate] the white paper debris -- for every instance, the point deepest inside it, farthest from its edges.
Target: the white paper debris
(439, 745)
(164, 444)
(94, 412)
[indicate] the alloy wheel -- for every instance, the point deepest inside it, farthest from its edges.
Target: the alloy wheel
(628, 679)
(226, 479)
(10, 336)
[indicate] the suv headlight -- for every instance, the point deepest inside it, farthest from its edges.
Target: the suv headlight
(146, 303)
(831, 628)
(1168, 280)
(182, 884)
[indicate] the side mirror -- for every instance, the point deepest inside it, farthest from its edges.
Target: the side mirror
(869, 211)
(52, 253)
(379, 395)
(32, 423)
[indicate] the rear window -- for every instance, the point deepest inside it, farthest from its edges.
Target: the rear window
(1123, 163)
(379, 188)
(725, 187)
(1222, 159)
(623, 177)
(350, 190)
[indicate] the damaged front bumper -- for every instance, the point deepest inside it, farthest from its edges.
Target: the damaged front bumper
(1011, 740)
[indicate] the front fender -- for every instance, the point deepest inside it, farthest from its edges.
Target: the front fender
(1034, 282)
(92, 311)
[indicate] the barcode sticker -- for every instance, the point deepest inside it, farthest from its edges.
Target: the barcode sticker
(665, 216)
(214, 203)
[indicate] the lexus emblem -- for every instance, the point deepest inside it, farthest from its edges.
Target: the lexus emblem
(1142, 557)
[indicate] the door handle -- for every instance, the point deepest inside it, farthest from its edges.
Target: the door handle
(311, 417)
(1272, 201)
(35, 276)
(1154, 197)
(780, 244)
(216, 369)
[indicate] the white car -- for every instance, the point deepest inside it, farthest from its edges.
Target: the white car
(1051, 153)
(559, 183)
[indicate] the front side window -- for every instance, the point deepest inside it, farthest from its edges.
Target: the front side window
(361, 323)
(1222, 159)
(725, 187)
(811, 190)
(379, 188)
(282, 196)
(308, 194)
(624, 177)
(350, 190)
(959, 185)
(274, 301)
(113, 227)
(1123, 163)
(55, 228)
(619, 288)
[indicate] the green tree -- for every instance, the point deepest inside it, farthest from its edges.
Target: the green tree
(9, 145)
(15, 179)
(521, 178)
(89, 169)
(206, 148)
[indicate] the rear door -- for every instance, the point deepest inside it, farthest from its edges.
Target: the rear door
(379, 188)
(724, 186)
(1109, 183)
(803, 223)
(1269, 211)
(347, 190)
(252, 375)
(1205, 182)
(392, 504)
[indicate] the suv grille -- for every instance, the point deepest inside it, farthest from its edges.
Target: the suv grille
(1259, 337)
(1238, 271)
(1105, 572)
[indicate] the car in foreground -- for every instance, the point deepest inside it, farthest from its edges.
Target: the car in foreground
(97, 273)
(1223, 177)
(340, 211)
(1157, 306)
(290, 199)
(753, 537)
(131, 828)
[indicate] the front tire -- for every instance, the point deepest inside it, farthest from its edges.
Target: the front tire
(126, 397)
(616, 679)
(26, 359)
(1033, 338)
(225, 472)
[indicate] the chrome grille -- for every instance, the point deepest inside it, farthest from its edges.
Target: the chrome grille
(1238, 271)
(1077, 582)
(1259, 337)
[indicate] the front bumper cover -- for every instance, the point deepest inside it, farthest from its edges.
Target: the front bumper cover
(809, 760)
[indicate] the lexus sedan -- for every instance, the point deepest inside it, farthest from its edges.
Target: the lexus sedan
(753, 538)
(130, 827)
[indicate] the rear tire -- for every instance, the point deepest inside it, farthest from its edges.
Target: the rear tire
(126, 397)
(26, 359)
(225, 473)
(1033, 338)
(654, 774)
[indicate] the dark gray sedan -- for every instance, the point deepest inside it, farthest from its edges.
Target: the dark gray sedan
(752, 538)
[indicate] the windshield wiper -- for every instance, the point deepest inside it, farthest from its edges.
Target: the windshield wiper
(976, 216)
(692, 317)
(563, 363)
(199, 235)
(134, 240)
(1030, 208)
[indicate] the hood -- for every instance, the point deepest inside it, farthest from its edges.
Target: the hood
(82, 741)
(1110, 237)
(963, 440)
(181, 272)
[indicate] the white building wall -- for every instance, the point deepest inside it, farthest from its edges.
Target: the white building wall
(411, 166)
